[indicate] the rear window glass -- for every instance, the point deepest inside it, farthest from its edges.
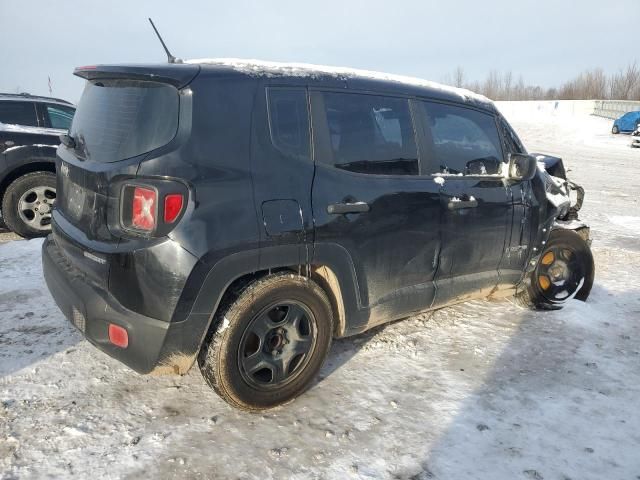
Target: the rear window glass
(18, 113)
(465, 141)
(371, 134)
(119, 119)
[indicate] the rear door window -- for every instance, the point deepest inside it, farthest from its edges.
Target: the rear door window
(59, 117)
(289, 121)
(18, 113)
(370, 134)
(464, 141)
(120, 119)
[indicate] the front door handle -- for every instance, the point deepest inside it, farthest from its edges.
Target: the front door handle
(457, 204)
(352, 207)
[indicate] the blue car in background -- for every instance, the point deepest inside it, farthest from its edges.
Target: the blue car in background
(626, 123)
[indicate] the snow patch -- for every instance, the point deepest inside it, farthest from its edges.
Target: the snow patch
(9, 127)
(630, 223)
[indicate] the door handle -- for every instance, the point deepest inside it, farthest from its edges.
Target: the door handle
(458, 204)
(342, 208)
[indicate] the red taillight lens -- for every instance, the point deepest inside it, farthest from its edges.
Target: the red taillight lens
(118, 336)
(172, 207)
(143, 212)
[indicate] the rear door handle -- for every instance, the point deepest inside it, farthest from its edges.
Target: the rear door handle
(342, 208)
(458, 204)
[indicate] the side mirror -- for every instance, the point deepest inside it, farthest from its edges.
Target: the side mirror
(522, 167)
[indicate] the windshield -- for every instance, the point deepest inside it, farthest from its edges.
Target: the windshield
(119, 119)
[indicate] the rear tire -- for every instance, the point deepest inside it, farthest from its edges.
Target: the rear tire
(565, 265)
(27, 203)
(259, 356)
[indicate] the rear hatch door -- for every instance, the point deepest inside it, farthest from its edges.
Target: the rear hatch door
(126, 114)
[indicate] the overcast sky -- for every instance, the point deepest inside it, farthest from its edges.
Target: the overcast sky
(546, 41)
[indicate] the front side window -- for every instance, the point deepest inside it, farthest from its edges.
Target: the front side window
(289, 121)
(512, 142)
(18, 113)
(59, 116)
(371, 134)
(465, 141)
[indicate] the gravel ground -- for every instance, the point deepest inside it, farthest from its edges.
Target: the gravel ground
(7, 236)
(484, 390)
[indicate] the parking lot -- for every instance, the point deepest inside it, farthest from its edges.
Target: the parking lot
(480, 390)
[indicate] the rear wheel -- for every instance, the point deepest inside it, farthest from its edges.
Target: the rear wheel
(269, 343)
(565, 270)
(27, 204)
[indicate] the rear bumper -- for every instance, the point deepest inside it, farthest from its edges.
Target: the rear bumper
(154, 345)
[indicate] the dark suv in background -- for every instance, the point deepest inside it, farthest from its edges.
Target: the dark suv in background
(30, 127)
(244, 214)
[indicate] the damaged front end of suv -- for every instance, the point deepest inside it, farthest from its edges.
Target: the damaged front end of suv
(561, 266)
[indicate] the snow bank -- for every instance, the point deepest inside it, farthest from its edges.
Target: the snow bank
(547, 107)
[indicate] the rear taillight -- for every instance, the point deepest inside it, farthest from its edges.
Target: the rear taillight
(144, 209)
(152, 208)
(172, 207)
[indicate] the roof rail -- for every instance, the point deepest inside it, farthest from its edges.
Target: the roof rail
(35, 97)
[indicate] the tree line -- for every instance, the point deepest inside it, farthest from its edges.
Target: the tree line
(592, 84)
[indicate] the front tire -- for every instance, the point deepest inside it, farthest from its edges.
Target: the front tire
(27, 204)
(565, 270)
(615, 130)
(269, 343)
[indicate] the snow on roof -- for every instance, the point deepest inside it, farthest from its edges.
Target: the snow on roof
(267, 68)
(9, 127)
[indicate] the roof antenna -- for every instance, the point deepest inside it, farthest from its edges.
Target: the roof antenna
(170, 57)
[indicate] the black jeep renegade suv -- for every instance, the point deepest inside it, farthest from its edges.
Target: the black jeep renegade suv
(30, 127)
(242, 214)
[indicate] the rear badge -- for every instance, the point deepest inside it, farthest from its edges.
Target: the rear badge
(95, 258)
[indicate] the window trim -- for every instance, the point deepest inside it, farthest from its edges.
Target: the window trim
(321, 142)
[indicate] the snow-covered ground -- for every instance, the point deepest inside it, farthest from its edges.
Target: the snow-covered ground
(484, 390)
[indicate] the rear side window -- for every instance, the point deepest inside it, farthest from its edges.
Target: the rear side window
(289, 121)
(465, 141)
(59, 116)
(119, 119)
(18, 113)
(371, 134)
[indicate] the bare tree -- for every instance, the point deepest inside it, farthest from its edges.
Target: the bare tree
(625, 83)
(458, 77)
(589, 85)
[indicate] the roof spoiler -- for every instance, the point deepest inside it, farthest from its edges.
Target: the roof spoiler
(178, 75)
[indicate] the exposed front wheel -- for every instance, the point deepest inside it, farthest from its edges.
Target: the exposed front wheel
(269, 344)
(565, 270)
(615, 130)
(27, 204)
